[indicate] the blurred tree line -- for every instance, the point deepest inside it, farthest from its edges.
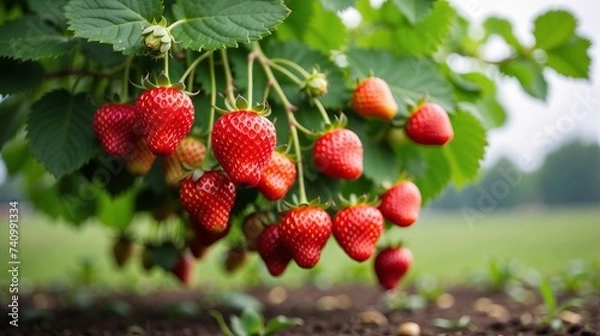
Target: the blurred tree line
(569, 175)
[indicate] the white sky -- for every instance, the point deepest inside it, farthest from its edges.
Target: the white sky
(573, 106)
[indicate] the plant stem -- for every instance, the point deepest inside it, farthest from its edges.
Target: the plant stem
(289, 111)
(321, 109)
(166, 70)
(229, 78)
(213, 103)
(251, 58)
(125, 84)
(293, 65)
(193, 66)
(286, 72)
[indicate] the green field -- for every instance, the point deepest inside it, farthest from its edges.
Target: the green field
(444, 245)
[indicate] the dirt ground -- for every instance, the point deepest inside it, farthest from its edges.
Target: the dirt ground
(342, 310)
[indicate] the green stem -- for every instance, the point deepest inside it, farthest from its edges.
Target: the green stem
(289, 111)
(321, 109)
(293, 65)
(286, 72)
(251, 58)
(213, 103)
(229, 78)
(166, 70)
(125, 84)
(193, 66)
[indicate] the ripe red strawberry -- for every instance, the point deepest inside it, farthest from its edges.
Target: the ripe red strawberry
(373, 98)
(277, 177)
(429, 124)
(184, 268)
(139, 159)
(204, 236)
(401, 204)
(243, 142)
(167, 115)
(122, 251)
(391, 264)
(304, 232)
(339, 154)
(190, 152)
(357, 229)
(209, 200)
(271, 250)
(196, 247)
(114, 125)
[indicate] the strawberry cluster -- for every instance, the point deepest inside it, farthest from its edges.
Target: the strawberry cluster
(243, 143)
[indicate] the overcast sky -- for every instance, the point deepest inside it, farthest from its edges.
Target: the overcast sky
(573, 106)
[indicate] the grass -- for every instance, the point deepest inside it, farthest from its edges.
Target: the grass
(444, 245)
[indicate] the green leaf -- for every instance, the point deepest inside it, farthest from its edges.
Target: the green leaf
(387, 28)
(15, 155)
(502, 28)
(336, 5)
(408, 77)
(116, 212)
(436, 175)
(281, 322)
(294, 27)
(326, 31)
(252, 322)
(24, 76)
(547, 296)
(12, 113)
(49, 10)
(529, 74)
(238, 327)
(553, 29)
(59, 130)
(116, 22)
(466, 150)
(571, 59)
(31, 38)
(208, 24)
(478, 95)
(380, 164)
(415, 10)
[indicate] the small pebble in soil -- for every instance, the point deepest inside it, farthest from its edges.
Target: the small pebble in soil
(328, 303)
(498, 312)
(482, 304)
(445, 301)
(570, 317)
(344, 301)
(526, 318)
(277, 295)
(409, 329)
(372, 317)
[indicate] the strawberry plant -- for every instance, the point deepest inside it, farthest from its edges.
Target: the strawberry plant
(243, 121)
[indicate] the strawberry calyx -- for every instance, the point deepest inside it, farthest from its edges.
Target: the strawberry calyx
(340, 122)
(241, 104)
(296, 203)
(354, 200)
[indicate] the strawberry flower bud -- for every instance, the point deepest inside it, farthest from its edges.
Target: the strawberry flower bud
(316, 84)
(157, 39)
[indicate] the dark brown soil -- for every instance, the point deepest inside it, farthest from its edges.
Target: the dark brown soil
(338, 314)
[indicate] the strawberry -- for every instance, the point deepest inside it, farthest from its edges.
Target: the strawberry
(209, 199)
(139, 159)
(190, 152)
(252, 226)
(304, 232)
(196, 247)
(184, 268)
(122, 251)
(429, 124)
(271, 250)
(114, 125)
(391, 264)
(373, 98)
(243, 142)
(167, 115)
(339, 154)
(401, 204)
(235, 257)
(204, 236)
(277, 177)
(357, 229)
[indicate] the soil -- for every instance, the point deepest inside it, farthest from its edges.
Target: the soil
(337, 311)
